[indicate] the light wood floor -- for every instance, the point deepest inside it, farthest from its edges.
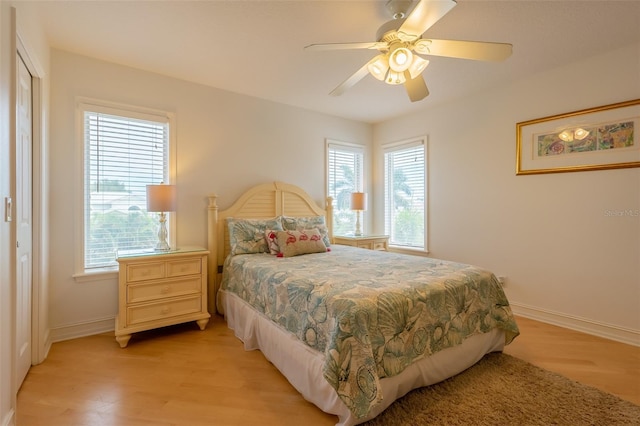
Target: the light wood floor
(182, 376)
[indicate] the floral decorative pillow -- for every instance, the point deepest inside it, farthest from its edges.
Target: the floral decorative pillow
(247, 235)
(295, 243)
(307, 222)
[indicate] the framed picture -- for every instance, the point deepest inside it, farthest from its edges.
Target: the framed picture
(599, 138)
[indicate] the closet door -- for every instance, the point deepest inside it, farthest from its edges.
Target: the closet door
(23, 219)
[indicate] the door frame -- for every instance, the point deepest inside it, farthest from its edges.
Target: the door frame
(40, 331)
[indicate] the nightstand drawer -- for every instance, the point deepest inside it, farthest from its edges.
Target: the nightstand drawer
(165, 309)
(145, 271)
(163, 289)
(179, 268)
(380, 245)
(365, 245)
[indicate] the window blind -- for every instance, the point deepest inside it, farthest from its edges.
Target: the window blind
(405, 194)
(123, 154)
(345, 175)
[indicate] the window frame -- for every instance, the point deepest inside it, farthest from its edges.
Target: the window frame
(398, 146)
(129, 111)
(334, 145)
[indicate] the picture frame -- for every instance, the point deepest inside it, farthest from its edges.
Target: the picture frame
(600, 138)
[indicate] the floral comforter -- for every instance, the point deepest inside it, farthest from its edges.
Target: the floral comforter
(371, 313)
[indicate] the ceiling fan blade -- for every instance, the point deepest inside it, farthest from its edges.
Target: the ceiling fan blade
(416, 87)
(351, 81)
(346, 46)
(475, 50)
(422, 17)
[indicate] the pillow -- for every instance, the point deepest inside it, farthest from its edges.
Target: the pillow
(247, 235)
(307, 222)
(294, 243)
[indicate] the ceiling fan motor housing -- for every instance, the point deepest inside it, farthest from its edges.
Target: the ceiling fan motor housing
(398, 8)
(389, 30)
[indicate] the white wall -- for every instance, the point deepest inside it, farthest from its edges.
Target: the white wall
(227, 143)
(566, 261)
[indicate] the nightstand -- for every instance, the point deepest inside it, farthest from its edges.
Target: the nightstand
(371, 242)
(157, 289)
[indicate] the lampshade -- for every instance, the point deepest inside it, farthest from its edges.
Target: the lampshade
(400, 59)
(417, 66)
(161, 198)
(379, 66)
(358, 201)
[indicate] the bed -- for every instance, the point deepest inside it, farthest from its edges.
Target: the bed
(351, 329)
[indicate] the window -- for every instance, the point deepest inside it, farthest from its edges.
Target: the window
(124, 151)
(405, 193)
(344, 176)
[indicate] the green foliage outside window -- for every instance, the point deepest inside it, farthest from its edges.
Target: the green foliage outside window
(121, 224)
(110, 231)
(408, 222)
(344, 219)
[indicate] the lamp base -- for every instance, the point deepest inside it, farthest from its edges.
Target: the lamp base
(358, 232)
(162, 234)
(162, 247)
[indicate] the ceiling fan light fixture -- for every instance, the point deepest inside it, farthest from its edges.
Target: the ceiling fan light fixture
(402, 51)
(378, 67)
(400, 59)
(417, 66)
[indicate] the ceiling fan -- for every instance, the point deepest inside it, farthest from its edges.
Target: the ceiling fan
(402, 48)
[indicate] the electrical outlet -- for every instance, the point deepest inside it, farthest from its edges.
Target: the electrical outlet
(502, 280)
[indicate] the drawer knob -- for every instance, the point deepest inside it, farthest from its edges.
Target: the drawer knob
(165, 310)
(165, 289)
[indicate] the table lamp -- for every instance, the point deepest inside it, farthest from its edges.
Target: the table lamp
(161, 199)
(359, 204)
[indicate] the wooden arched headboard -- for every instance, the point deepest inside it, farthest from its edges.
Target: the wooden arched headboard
(260, 202)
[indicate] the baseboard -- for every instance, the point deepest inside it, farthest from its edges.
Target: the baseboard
(88, 328)
(9, 419)
(41, 348)
(47, 344)
(607, 331)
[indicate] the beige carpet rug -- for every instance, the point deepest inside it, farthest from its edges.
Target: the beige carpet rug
(503, 390)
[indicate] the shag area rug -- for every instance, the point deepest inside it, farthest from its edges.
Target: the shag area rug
(504, 390)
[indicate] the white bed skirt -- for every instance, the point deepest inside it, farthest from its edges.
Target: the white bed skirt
(302, 366)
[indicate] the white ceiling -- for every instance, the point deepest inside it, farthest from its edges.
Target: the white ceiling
(256, 47)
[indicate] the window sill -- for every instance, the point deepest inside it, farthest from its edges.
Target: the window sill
(95, 275)
(411, 251)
